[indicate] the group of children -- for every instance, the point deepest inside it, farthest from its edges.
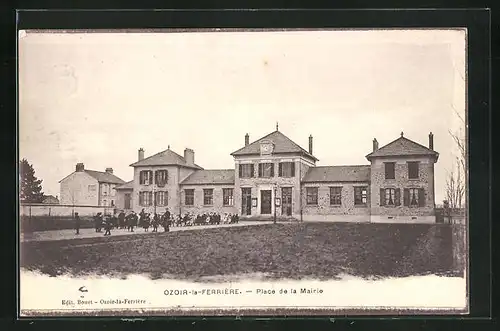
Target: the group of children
(147, 220)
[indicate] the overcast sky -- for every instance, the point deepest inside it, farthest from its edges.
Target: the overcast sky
(97, 98)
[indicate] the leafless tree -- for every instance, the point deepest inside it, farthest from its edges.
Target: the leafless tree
(456, 179)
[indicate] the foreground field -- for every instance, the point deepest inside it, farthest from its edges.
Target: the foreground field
(319, 250)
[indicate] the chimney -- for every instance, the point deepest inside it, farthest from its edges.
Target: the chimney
(141, 154)
(109, 170)
(189, 156)
(375, 144)
(310, 144)
(431, 141)
(80, 167)
(247, 139)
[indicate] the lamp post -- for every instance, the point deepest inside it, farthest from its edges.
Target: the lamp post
(275, 193)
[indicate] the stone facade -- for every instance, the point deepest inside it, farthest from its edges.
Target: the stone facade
(199, 207)
(347, 211)
(262, 203)
(400, 212)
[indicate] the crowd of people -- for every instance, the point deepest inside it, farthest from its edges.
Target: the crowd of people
(145, 220)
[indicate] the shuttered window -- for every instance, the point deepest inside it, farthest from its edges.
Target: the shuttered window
(145, 199)
(413, 170)
(414, 197)
(390, 169)
(161, 177)
(161, 198)
(146, 177)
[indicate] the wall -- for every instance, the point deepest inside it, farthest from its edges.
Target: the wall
(199, 207)
(120, 198)
(257, 184)
(401, 181)
(107, 194)
(347, 211)
(60, 210)
(75, 190)
(175, 174)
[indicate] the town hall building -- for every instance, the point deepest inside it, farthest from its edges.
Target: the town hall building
(274, 176)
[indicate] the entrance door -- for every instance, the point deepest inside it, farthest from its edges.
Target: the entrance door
(246, 201)
(286, 201)
(265, 202)
(127, 201)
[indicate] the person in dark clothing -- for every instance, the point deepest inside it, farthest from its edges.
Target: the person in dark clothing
(97, 222)
(155, 223)
(77, 223)
(121, 220)
(108, 224)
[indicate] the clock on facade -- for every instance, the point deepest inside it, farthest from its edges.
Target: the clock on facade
(266, 147)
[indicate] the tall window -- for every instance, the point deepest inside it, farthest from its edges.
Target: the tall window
(360, 195)
(312, 195)
(145, 198)
(227, 196)
(161, 177)
(246, 170)
(286, 169)
(336, 196)
(390, 170)
(189, 197)
(390, 196)
(266, 170)
(162, 198)
(413, 170)
(146, 177)
(208, 196)
(414, 197)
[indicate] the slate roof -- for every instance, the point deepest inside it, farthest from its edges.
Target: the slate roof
(126, 186)
(104, 177)
(166, 157)
(356, 173)
(401, 147)
(282, 144)
(214, 176)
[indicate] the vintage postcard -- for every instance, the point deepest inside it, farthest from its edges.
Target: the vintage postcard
(233, 172)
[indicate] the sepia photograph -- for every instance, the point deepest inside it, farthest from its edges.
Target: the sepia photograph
(223, 172)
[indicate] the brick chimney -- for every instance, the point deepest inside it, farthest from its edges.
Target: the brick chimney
(431, 141)
(189, 156)
(141, 154)
(80, 167)
(247, 139)
(375, 144)
(109, 170)
(310, 144)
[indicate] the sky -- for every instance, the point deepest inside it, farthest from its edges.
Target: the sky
(98, 97)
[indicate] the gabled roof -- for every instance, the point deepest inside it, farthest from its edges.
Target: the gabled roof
(166, 157)
(214, 176)
(104, 177)
(126, 186)
(356, 173)
(282, 144)
(402, 147)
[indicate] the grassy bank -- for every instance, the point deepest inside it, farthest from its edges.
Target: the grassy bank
(319, 250)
